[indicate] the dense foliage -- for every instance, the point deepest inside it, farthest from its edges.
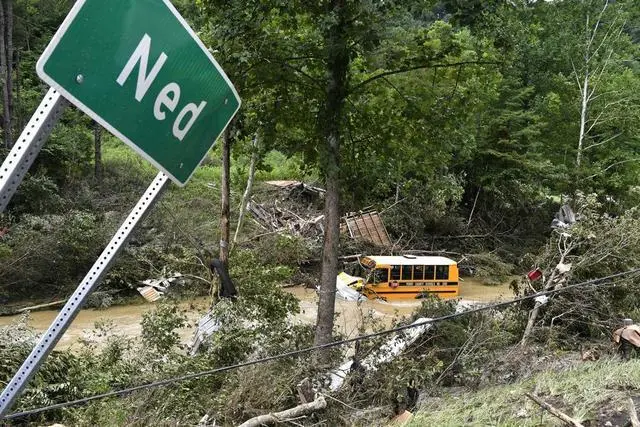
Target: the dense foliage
(468, 123)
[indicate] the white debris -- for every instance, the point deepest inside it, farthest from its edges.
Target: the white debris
(207, 326)
(345, 290)
(154, 289)
(542, 299)
(387, 352)
(563, 268)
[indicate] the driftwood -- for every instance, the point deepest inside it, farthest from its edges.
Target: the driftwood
(277, 219)
(633, 414)
(33, 307)
(554, 411)
(277, 417)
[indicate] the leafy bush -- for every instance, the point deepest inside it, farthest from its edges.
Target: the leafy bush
(159, 327)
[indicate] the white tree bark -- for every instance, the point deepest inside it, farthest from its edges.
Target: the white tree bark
(249, 188)
(593, 72)
(278, 417)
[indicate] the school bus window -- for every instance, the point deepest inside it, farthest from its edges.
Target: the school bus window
(418, 272)
(429, 272)
(395, 272)
(380, 275)
(442, 272)
(406, 272)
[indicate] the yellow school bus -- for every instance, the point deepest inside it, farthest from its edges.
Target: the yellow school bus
(408, 277)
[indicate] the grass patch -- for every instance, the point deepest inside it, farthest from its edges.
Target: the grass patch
(586, 392)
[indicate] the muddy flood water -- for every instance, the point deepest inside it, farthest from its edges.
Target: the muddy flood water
(126, 319)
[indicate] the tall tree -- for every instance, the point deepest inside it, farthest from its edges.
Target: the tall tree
(326, 52)
(225, 195)
(6, 53)
(336, 39)
(98, 167)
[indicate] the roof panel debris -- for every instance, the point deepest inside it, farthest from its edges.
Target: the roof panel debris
(368, 227)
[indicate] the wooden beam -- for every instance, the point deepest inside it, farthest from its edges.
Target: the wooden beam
(554, 411)
(278, 417)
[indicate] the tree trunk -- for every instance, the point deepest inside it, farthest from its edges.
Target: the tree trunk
(533, 316)
(279, 417)
(9, 51)
(248, 189)
(6, 114)
(336, 90)
(225, 211)
(97, 152)
(17, 110)
(583, 114)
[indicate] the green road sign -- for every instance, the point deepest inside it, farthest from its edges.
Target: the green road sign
(137, 68)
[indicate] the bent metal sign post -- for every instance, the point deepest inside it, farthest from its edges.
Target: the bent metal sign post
(136, 68)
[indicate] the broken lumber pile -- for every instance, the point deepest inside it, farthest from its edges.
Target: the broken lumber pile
(276, 219)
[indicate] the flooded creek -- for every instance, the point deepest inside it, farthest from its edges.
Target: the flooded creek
(126, 319)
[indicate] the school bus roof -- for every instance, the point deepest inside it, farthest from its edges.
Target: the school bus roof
(409, 260)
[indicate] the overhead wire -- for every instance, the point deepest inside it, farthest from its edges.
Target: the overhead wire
(160, 383)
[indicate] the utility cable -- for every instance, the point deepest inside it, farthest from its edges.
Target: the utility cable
(332, 344)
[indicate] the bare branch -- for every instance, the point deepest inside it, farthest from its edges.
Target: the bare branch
(575, 73)
(419, 67)
(611, 166)
(554, 411)
(595, 122)
(602, 142)
(299, 71)
(595, 29)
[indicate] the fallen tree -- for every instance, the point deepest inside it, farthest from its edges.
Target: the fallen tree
(289, 414)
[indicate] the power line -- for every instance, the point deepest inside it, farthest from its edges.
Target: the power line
(313, 348)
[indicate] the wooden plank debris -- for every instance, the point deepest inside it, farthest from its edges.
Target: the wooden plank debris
(154, 289)
(368, 227)
(150, 293)
(298, 187)
(278, 219)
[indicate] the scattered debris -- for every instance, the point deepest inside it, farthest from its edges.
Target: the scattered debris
(155, 289)
(589, 355)
(564, 218)
(297, 187)
(534, 275)
(541, 300)
(150, 293)
(387, 352)
(563, 268)
(401, 420)
(368, 227)
(207, 326)
(19, 332)
(305, 390)
(277, 219)
(345, 287)
(627, 336)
